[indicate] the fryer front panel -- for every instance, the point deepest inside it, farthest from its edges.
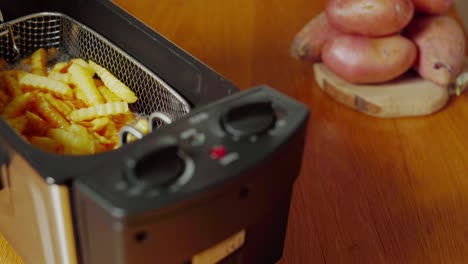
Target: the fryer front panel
(136, 216)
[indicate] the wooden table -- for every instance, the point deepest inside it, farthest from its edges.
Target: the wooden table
(371, 190)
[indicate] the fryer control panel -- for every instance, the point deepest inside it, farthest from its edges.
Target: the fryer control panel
(210, 146)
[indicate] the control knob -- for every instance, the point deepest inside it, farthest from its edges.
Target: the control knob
(249, 119)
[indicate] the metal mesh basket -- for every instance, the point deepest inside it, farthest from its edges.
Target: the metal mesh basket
(24, 35)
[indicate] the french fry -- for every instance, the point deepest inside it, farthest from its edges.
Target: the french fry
(4, 99)
(18, 123)
(3, 64)
(102, 139)
(79, 95)
(100, 110)
(110, 131)
(36, 125)
(98, 82)
(99, 124)
(52, 54)
(61, 67)
(76, 140)
(25, 62)
(38, 62)
(99, 147)
(105, 132)
(11, 85)
(123, 119)
(17, 106)
(143, 126)
(85, 66)
(85, 141)
(47, 144)
(108, 95)
(61, 106)
(114, 84)
(78, 104)
(59, 89)
(49, 113)
(63, 77)
(85, 83)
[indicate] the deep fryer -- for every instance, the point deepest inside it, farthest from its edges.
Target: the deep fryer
(213, 185)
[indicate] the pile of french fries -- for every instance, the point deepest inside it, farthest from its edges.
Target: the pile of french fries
(74, 107)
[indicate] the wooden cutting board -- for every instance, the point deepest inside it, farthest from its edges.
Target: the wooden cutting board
(409, 95)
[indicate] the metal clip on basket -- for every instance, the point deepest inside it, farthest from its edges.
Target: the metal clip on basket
(155, 120)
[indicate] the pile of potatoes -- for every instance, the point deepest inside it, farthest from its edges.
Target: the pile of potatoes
(375, 41)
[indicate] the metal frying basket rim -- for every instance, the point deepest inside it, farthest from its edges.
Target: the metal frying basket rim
(105, 40)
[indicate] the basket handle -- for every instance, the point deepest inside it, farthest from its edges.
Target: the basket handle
(165, 118)
(130, 130)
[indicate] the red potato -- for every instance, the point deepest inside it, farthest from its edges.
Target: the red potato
(432, 6)
(372, 18)
(441, 45)
(363, 60)
(308, 43)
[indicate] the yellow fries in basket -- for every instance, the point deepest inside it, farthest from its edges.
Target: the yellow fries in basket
(85, 84)
(72, 107)
(99, 110)
(114, 84)
(38, 62)
(58, 88)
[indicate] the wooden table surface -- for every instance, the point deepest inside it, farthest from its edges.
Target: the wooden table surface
(371, 190)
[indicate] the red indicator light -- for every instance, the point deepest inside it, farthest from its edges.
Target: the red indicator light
(217, 152)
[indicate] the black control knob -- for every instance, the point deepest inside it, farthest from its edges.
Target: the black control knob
(158, 168)
(249, 119)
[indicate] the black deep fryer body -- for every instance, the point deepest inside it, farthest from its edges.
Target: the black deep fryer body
(113, 228)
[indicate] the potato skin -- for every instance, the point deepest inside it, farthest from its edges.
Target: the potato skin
(432, 6)
(372, 18)
(309, 41)
(364, 60)
(441, 42)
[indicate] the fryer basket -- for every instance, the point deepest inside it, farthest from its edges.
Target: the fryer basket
(48, 30)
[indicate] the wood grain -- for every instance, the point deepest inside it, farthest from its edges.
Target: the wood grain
(7, 254)
(371, 190)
